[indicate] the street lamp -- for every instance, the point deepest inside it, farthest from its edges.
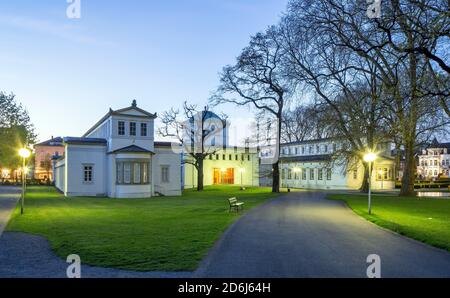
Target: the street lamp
(296, 174)
(24, 153)
(370, 158)
(242, 170)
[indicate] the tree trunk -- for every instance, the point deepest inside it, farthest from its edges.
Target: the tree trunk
(409, 170)
(200, 175)
(398, 158)
(409, 130)
(275, 166)
(275, 177)
(365, 183)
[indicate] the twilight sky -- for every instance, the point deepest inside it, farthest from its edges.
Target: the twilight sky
(68, 72)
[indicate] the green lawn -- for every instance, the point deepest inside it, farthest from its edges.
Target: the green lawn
(161, 233)
(424, 219)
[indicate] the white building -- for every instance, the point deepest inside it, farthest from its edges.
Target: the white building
(228, 166)
(119, 158)
(434, 161)
(309, 164)
(225, 164)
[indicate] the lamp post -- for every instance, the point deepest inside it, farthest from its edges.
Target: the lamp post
(370, 158)
(24, 153)
(242, 170)
(296, 171)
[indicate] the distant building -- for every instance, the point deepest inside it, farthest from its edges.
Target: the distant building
(227, 165)
(309, 164)
(43, 157)
(434, 161)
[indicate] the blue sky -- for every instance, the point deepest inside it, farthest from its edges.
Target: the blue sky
(68, 72)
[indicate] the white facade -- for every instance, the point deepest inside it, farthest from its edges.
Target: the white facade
(119, 158)
(229, 166)
(434, 161)
(308, 164)
(224, 164)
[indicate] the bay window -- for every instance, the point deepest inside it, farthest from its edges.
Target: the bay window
(132, 172)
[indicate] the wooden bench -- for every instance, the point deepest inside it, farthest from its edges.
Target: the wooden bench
(235, 205)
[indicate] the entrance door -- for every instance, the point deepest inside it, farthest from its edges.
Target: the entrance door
(223, 176)
(216, 176)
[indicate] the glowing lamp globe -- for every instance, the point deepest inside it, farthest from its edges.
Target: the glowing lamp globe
(25, 153)
(370, 157)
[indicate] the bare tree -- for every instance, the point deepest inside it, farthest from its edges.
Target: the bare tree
(332, 44)
(257, 80)
(195, 133)
(428, 20)
(301, 123)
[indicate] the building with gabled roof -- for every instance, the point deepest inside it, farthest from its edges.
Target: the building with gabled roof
(43, 153)
(434, 161)
(118, 157)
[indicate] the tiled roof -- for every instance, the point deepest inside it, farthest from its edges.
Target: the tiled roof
(163, 144)
(132, 149)
(207, 115)
(308, 158)
(120, 112)
(308, 141)
(52, 142)
(76, 140)
(57, 157)
(436, 144)
(440, 145)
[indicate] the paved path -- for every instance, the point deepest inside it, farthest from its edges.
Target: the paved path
(9, 195)
(297, 235)
(304, 235)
